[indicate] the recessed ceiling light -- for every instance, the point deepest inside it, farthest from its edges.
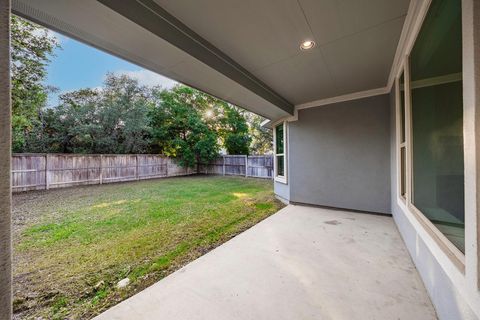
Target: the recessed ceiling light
(307, 44)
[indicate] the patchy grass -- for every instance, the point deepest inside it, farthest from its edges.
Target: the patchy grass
(73, 245)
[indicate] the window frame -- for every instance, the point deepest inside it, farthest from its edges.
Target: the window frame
(454, 254)
(280, 178)
(402, 176)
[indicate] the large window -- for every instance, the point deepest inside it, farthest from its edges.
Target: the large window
(280, 153)
(436, 121)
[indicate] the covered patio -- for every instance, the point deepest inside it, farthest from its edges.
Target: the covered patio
(301, 263)
(353, 91)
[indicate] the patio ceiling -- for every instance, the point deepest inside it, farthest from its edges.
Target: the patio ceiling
(246, 52)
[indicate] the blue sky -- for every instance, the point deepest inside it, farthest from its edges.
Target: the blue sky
(77, 65)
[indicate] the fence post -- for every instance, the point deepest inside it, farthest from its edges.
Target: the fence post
(166, 166)
(137, 176)
(246, 166)
(223, 164)
(101, 169)
(47, 183)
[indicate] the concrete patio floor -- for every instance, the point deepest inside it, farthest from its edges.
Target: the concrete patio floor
(301, 263)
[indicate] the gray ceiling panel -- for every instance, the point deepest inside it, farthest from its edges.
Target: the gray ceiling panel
(363, 61)
(302, 78)
(356, 41)
(331, 20)
(254, 33)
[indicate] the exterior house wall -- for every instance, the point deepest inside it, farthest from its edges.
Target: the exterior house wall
(282, 191)
(339, 155)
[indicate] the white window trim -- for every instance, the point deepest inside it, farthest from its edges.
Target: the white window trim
(454, 254)
(451, 251)
(399, 143)
(281, 179)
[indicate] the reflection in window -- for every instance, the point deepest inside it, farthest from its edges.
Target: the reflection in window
(437, 120)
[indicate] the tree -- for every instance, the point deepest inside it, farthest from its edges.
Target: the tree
(111, 120)
(235, 132)
(125, 108)
(262, 138)
(75, 127)
(179, 130)
(31, 47)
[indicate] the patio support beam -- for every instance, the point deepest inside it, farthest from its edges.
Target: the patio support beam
(5, 156)
(152, 17)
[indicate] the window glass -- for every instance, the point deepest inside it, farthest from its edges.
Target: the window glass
(280, 166)
(279, 139)
(437, 120)
(401, 83)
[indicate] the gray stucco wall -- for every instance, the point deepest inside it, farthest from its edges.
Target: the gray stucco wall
(339, 155)
(282, 190)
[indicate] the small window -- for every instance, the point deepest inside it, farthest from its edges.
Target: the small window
(280, 163)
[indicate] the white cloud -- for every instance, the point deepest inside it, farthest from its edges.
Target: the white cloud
(148, 78)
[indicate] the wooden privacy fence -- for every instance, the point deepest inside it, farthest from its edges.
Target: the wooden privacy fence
(48, 171)
(260, 166)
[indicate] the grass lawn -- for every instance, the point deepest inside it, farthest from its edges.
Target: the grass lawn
(71, 246)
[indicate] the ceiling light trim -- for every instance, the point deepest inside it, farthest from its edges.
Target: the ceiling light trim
(307, 45)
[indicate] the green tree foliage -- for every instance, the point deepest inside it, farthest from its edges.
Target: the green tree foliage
(235, 132)
(31, 47)
(111, 120)
(126, 105)
(125, 117)
(179, 129)
(262, 138)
